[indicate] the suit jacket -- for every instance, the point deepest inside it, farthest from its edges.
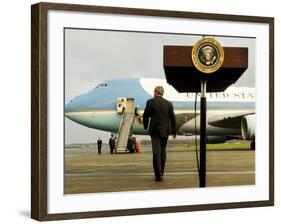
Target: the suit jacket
(162, 117)
(99, 143)
(111, 142)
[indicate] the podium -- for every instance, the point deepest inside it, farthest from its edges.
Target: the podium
(190, 69)
(184, 77)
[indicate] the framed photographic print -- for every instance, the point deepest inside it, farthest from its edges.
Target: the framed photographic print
(95, 72)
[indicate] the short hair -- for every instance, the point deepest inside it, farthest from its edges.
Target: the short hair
(159, 90)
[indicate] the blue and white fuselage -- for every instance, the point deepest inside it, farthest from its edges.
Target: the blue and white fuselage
(228, 113)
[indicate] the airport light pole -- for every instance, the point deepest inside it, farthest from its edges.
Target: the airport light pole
(203, 108)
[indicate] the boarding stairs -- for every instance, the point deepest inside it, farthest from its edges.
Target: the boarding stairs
(126, 125)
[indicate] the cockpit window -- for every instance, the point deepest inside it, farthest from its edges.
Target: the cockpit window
(101, 85)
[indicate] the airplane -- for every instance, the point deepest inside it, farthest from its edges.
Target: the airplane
(230, 114)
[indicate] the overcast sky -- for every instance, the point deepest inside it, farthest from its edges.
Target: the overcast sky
(92, 56)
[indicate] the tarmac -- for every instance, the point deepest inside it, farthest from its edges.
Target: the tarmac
(88, 172)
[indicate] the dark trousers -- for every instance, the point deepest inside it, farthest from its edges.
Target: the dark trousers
(111, 149)
(159, 154)
(99, 150)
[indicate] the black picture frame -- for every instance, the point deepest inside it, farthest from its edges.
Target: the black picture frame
(39, 110)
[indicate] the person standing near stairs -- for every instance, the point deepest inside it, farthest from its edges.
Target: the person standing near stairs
(111, 143)
(99, 143)
(159, 119)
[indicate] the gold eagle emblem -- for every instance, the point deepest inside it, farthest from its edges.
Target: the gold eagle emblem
(207, 55)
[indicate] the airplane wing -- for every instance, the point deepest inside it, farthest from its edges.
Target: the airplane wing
(228, 120)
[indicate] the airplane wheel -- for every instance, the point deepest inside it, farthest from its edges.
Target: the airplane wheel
(253, 145)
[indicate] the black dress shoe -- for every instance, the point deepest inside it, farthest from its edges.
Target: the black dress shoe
(158, 178)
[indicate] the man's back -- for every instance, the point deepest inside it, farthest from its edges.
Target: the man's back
(162, 117)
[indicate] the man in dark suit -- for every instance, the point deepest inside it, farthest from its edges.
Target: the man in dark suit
(111, 144)
(159, 119)
(99, 143)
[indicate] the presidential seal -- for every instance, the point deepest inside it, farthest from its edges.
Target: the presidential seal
(207, 55)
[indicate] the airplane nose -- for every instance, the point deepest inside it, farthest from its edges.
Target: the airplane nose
(70, 112)
(67, 114)
(72, 106)
(68, 109)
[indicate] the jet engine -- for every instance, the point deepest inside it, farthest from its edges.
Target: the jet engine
(248, 124)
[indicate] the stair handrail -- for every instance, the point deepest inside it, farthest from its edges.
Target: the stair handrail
(120, 125)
